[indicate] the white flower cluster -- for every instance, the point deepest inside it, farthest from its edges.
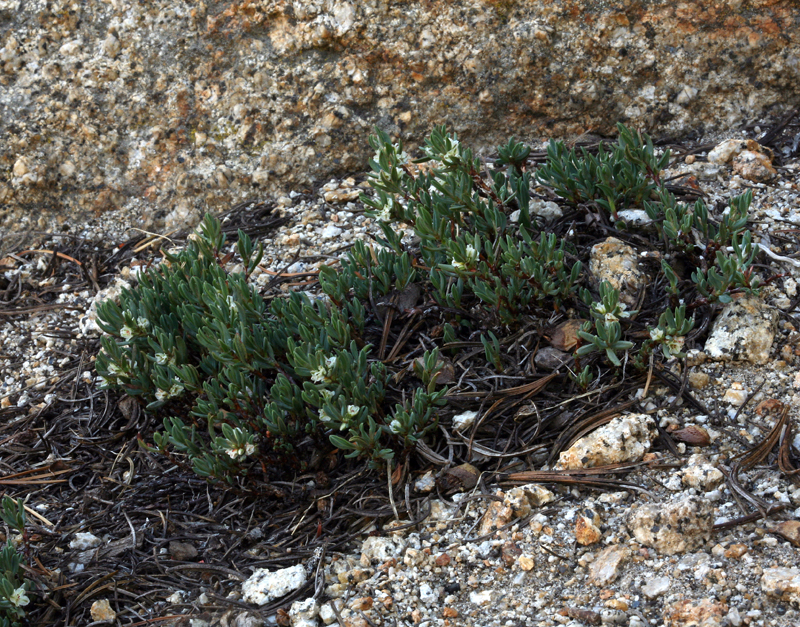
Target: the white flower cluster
(141, 326)
(237, 453)
(471, 258)
(176, 389)
(322, 374)
(385, 214)
(352, 412)
(19, 598)
(452, 150)
(613, 315)
(232, 303)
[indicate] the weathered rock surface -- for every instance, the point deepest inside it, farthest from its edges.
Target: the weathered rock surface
(517, 503)
(618, 263)
(607, 565)
(783, 583)
(624, 439)
(102, 611)
(700, 474)
(264, 586)
(686, 613)
(681, 524)
(166, 109)
(656, 586)
(744, 331)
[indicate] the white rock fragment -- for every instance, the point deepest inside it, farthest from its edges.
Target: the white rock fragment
(656, 586)
(330, 232)
(616, 262)
(426, 483)
(727, 150)
(264, 586)
(753, 166)
(483, 597)
(736, 395)
(681, 524)
(21, 167)
(341, 195)
(441, 511)
(524, 498)
(606, 567)
(327, 613)
(782, 583)
(101, 611)
(71, 48)
(304, 613)
(700, 474)
(465, 420)
(517, 503)
(548, 210)
(744, 331)
(377, 550)
(636, 217)
(624, 439)
(84, 540)
(427, 594)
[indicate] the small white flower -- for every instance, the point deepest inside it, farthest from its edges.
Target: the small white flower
(318, 375)
(161, 395)
(385, 214)
(452, 149)
(142, 323)
(232, 303)
(235, 453)
(352, 410)
(674, 344)
(114, 369)
(324, 417)
(161, 358)
(472, 254)
(657, 334)
(19, 598)
(458, 265)
(175, 390)
(330, 362)
(395, 426)
(126, 332)
(326, 394)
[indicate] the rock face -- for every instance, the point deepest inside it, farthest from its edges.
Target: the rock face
(167, 109)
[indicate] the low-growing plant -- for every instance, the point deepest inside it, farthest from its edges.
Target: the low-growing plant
(622, 177)
(606, 314)
(247, 386)
(14, 587)
(244, 379)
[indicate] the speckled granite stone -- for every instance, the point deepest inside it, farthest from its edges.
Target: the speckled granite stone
(164, 109)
